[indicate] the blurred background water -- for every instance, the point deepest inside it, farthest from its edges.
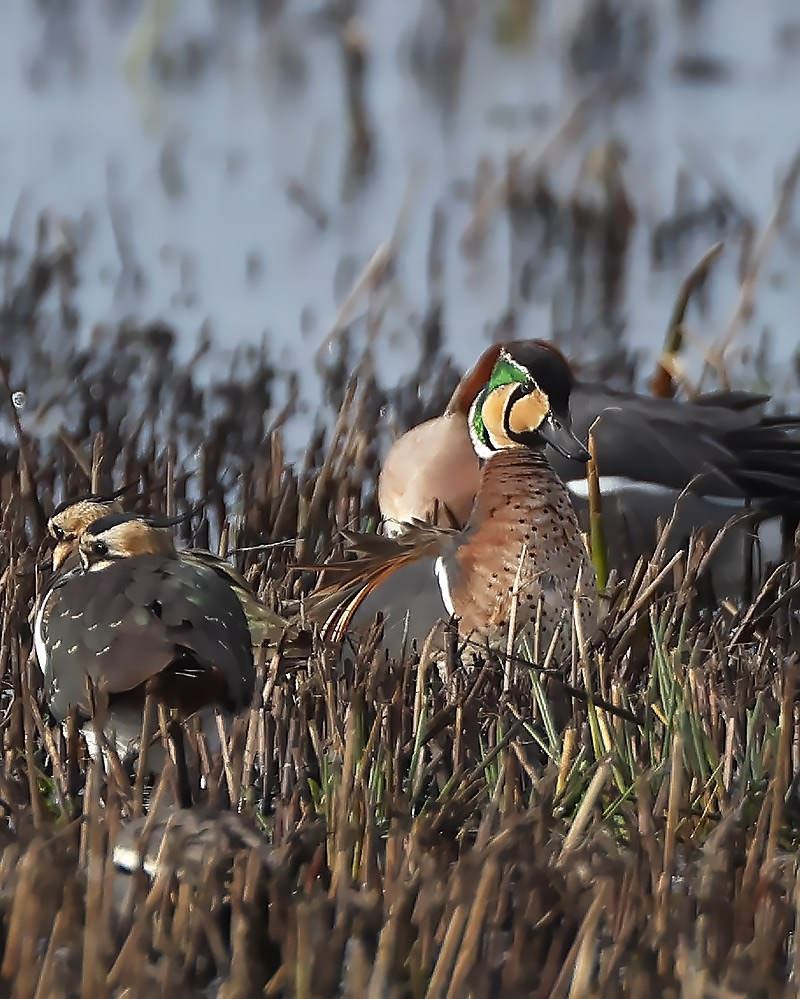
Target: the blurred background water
(231, 166)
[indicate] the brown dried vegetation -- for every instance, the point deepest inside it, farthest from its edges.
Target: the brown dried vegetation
(377, 828)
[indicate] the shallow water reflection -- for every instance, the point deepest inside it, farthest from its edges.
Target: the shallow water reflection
(233, 166)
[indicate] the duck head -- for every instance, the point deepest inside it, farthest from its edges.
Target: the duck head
(525, 403)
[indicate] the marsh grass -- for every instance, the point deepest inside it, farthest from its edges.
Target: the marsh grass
(622, 824)
(415, 840)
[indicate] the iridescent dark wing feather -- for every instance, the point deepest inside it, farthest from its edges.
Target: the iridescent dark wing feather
(722, 436)
(147, 618)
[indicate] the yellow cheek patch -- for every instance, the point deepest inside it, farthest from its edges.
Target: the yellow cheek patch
(493, 414)
(528, 413)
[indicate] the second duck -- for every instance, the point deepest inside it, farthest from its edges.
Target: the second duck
(519, 565)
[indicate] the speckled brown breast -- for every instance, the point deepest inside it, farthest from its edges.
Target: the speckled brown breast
(522, 506)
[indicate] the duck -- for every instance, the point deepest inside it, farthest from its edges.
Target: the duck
(136, 618)
(703, 461)
(71, 519)
(517, 574)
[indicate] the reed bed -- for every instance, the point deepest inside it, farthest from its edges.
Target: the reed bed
(625, 824)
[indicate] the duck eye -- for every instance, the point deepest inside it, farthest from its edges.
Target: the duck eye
(99, 548)
(58, 532)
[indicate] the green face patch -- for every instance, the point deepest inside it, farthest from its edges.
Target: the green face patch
(476, 418)
(505, 372)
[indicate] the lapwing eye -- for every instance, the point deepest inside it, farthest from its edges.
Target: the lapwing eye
(58, 532)
(99, 548)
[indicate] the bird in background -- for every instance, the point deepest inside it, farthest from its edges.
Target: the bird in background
(137, 618)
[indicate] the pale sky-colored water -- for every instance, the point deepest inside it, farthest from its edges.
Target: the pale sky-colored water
(199, 167)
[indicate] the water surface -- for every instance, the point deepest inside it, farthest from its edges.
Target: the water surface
(198, 155)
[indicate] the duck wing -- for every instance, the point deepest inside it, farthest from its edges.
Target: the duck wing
(723, 438)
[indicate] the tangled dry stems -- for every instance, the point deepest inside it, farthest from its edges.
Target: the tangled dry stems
(624, 824)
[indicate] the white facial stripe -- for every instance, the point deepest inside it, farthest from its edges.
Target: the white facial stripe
(480, 448)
